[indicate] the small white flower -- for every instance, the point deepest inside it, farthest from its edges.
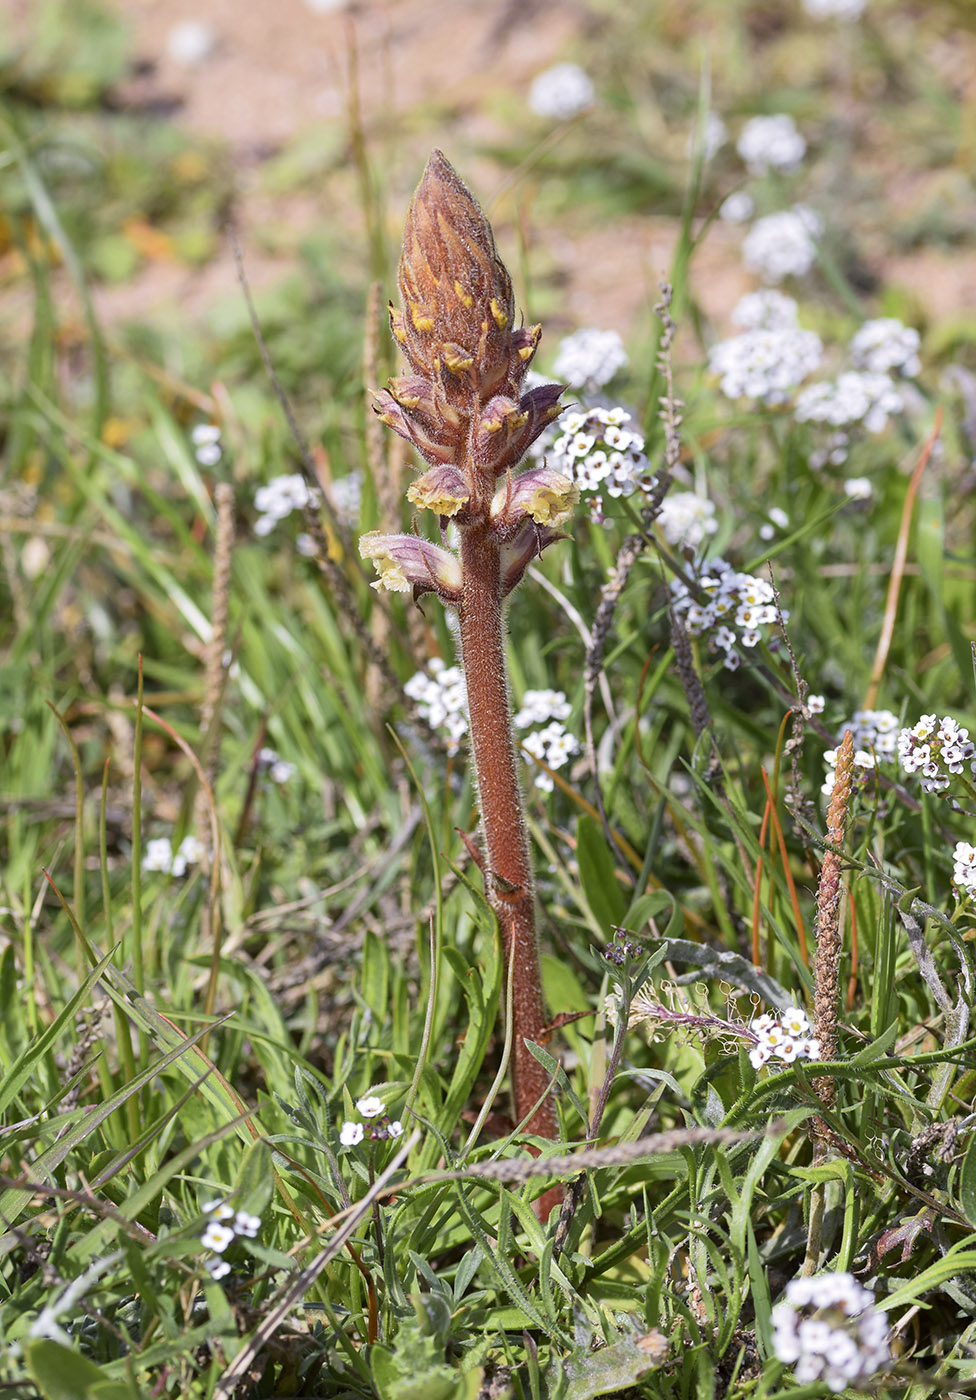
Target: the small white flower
(209, 454)
(441, 699)
(815, 704)
(277, 769)
(858, 488)
(771, 143)
(395, 1129)
(714, 137)
(351, 1134)
(190, 850)
(737, 208)
(217, 1237)
(561, 92)
(538, 706)
(204, 433)
(216, 1267)
(795, 1021)
(834, 9)
(220, 1210)
(158, 855)
(247, 1225)
(191, 42)
(346, 495)
(370, 1106)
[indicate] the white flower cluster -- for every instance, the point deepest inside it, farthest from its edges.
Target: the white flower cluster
(834, 9)
(221, 1233)
(441, 699)
(828, 1329)
(939, 749)
(346, 497)
(783, 245)
(686, 519)
(279, 498)
(776, 520)
(771, 143)
(765, 364)
(540, 706)
(594, 449)
(784, 1037)
(554, 745)
(875, 734)
(738, 606)
(856, 396)
(206, 444)
(277, 768)
(765, 310)
(370, 1107)
(159, 855)
(561, 92)
(886, 346)
(588, 359)
(964, 869)
(866, 396)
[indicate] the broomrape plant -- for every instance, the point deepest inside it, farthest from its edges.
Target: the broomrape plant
(463, 408)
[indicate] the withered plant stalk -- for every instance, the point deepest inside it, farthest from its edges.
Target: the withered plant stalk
(826, 988)
(463, 409)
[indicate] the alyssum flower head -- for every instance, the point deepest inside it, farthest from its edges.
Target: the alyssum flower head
(463, 405)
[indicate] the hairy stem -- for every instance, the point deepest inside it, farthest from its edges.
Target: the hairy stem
(506, 841)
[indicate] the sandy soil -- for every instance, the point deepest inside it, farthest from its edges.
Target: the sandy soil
(421, 71)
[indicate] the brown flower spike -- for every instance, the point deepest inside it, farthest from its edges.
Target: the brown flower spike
(463, 407)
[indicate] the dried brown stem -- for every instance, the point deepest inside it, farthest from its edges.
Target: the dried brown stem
(826, 975)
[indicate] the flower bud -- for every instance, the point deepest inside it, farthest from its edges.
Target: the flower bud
(517, 554)
(407, 563)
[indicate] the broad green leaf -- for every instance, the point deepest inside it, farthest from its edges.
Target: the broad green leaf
(597, 868)
(61, 1373)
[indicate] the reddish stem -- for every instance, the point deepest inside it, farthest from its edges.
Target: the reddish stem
(506, 841)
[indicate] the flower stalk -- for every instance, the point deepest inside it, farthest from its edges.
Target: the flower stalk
(463, 407)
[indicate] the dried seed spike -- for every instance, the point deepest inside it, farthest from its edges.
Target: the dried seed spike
(828, 911)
